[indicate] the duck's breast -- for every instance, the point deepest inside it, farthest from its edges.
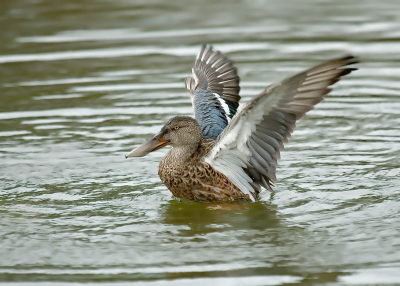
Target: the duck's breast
(195, 179)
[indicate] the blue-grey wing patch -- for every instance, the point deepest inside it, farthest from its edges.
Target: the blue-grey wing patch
(214, 90)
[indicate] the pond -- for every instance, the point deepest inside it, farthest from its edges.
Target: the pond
(84, 82)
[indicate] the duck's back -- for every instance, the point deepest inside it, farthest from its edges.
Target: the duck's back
(194, 179)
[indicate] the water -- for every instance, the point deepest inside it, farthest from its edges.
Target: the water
(83, 82)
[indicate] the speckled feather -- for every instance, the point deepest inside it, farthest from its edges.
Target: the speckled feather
(244, 156)
(195, 179)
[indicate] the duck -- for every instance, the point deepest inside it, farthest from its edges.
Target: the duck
(230, 153)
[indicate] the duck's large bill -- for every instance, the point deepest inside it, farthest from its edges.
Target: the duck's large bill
(156, 143)
(245, 148)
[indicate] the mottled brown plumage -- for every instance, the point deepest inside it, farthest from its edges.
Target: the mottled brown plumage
(189, 177)
(184, 170)
(244, 156)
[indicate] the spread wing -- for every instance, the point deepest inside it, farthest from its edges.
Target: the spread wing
(214, 91)
(248, 149)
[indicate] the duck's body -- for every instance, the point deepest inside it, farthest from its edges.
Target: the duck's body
(225, 154)
(188, 176)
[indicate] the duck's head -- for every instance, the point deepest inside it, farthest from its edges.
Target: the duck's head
(179, 131)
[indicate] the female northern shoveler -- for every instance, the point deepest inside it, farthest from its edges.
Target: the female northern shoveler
(224, 155)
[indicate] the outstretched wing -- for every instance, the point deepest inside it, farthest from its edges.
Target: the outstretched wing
(214, 91)
(248, 149)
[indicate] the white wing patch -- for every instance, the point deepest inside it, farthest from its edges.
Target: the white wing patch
(248, 149)
(224, 106)
(231, 155)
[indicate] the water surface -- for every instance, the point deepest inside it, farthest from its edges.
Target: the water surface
(83, 82)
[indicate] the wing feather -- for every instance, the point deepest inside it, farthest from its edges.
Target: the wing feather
(214, 90)
(257, 133)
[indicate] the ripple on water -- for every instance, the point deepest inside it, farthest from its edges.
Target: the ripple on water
(76, 100)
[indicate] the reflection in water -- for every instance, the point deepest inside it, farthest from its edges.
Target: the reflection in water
(82, 82)
(223, 233)
(202, 218)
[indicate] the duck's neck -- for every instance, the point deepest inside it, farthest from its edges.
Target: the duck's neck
(181, 154)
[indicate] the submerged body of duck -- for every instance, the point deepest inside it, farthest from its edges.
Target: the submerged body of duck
(225, 154)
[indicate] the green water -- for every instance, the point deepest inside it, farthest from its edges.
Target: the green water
(83, 82)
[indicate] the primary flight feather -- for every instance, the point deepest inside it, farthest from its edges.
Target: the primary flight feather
(226, 154)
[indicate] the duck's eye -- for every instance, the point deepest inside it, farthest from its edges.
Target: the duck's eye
(176, 127)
